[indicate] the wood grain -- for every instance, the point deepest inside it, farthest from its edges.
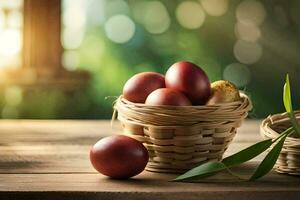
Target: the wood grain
(49, 160)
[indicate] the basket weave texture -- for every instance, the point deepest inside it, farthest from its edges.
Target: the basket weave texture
(289, 158)
(178, 138)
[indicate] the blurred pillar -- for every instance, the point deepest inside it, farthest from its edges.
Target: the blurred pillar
(42, 48)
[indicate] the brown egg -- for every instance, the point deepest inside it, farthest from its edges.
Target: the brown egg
(138, 87)
(223, 92)
(119, 156)
(191, 80)
(167, 97)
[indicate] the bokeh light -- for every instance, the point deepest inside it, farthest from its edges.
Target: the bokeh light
(72, 39)
(247, 32)
(11, 4)
(215, 7)
(156, 17)
(238, 74)
(251, 12)
(190, 14)
(247, 52)
(2, 20)
(74, 15)
(120, 28)
(74, 21)
(70, 60)
(15, 19)
(10, 42)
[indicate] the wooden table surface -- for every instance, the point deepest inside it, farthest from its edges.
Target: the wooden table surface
(49, 160)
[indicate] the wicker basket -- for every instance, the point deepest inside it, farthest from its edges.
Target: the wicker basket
(289, 158)
(178, 138)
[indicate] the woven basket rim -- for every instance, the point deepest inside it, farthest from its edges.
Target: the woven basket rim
(268, 132)
(244, 98)
(213, 115)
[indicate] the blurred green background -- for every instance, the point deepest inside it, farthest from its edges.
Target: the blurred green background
(249, 42)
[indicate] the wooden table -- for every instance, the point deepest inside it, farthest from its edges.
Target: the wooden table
(49, 160)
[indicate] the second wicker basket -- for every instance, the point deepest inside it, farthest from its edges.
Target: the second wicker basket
(289, 158)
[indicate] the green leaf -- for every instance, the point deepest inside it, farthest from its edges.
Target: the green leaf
(210, 168)
(252, 151)
(287, 101)
(201, 171)
(247, 154)
(269, 161)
